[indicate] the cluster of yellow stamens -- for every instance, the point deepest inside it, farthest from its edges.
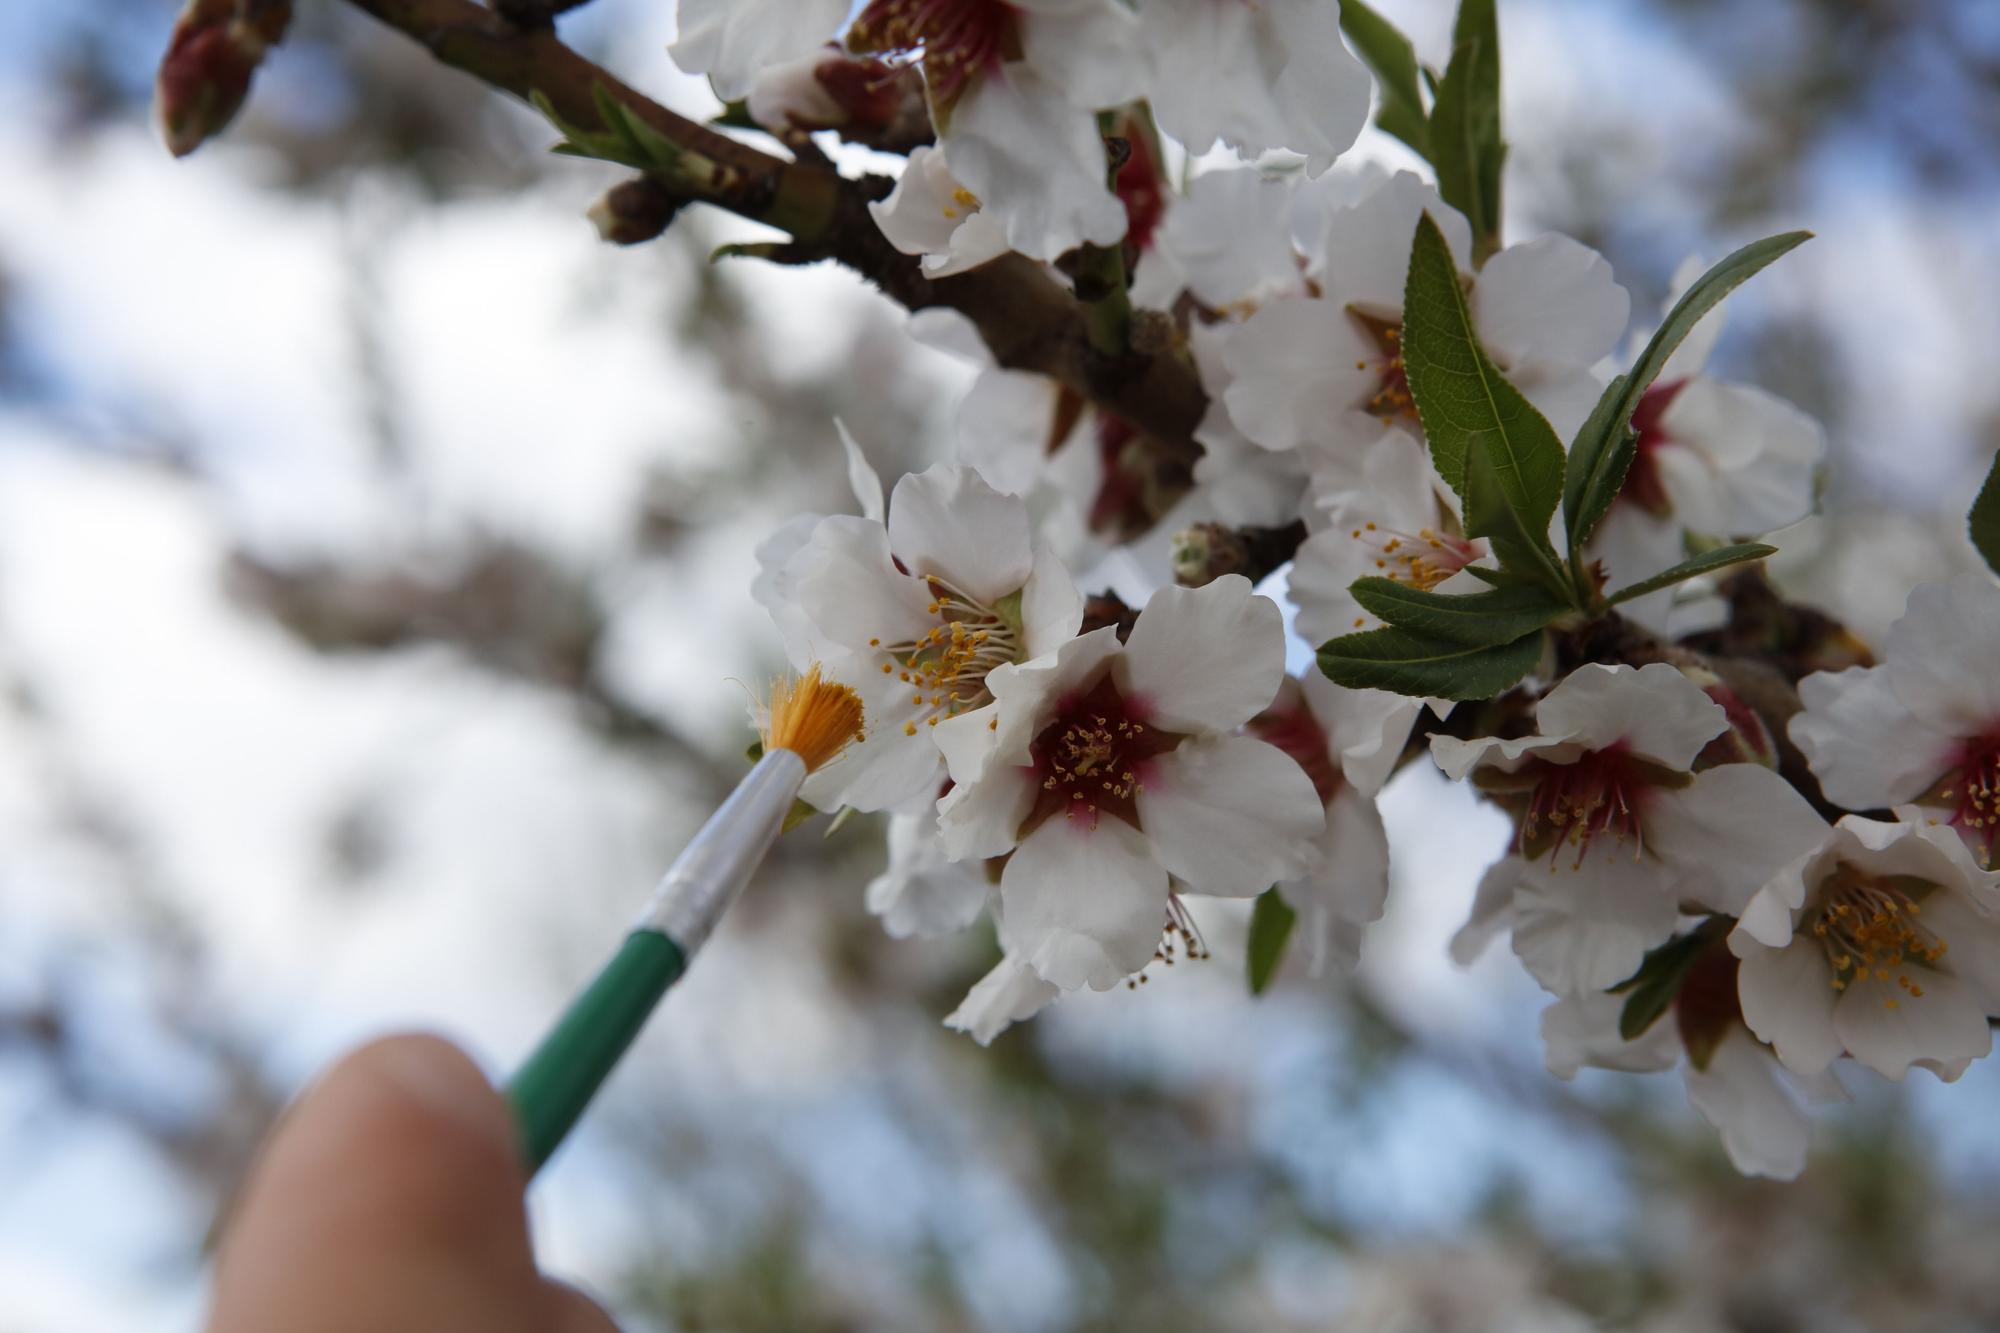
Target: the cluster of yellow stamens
(1090, 754)
(946, 666)
(1392, 399)
(1972, 790)
(1870, 931)
(1421, 559)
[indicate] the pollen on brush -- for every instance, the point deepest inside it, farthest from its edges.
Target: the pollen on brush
(813, 718)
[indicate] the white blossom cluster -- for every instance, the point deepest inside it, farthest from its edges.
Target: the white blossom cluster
(1078, 779)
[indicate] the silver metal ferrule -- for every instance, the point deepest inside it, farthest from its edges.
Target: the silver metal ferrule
(712, 869)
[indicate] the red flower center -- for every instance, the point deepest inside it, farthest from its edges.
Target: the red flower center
(955, 39)
(1094, 757)
(1644, 486)
(1600, 794)
(1971, 790)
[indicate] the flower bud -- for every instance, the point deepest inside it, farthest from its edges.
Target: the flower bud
(634, 212)
(205, 73)
(1205, 552)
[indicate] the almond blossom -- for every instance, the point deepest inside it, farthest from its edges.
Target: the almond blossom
(1923, 728)
(1329, 369)
(930, 214)
(1883, 943)
(1712, 458)
(913, 604)
(1107, 772)
(1616, 828)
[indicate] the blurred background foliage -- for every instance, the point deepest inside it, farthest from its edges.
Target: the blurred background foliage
(374, 564)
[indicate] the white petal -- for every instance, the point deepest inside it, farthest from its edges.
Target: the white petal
(1367, 246)
(1008, 994)
(1230, 815)
(947, 521)
(887, 769)
(925, 207)
(1350, 886)
(1655, 710)
(1769, 917)
(1257, 77)
(1294, 371)
(1551, 298)
(1788, 998)
(773, 590)
(983, 818)
(1051, 606)
(731, 40)
(1740, 462)
(862, 477)
(1035, 162)
(1492, 910)
(1580, 1030)
(1455, 758)
(1974, 955)
(1633, 546)
(920, 894)
(1083, 905)
(1207, 658)
(1088, 51)
(1743, 1094)
(1729, 831)
(1944, 1025)
(846, 580)
(1004, 422)
(1027, 694)
(1862, 744)
(1937, 652)
(1365, 729)
(1232, 235)
(1588, 926)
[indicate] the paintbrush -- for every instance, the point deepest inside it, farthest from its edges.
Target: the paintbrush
(806, 725)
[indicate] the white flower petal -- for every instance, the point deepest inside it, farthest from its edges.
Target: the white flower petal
(981, 819)
(1744, 1095)
(1862, 744)
(1231, 234)
(1788, 998)
(1051, 606)
(1656, 711)
(1633, 546)
(920, 894)
(1889, 1030)
(1205, 659)
(1035, 162)
(1366, 730)
(1004, 422)
(732, 40)
(1008, 994)
(1297, 368)
(1552, 299)
(1349, 887)
(1588, 925)
(887, 769)
(1580, 1030)
(862, 477)
(947, 521)
(1456, 758)
(1230, 815)
(1366, 247)
(1729, 831)
(1935, 655)
(1083, 905)
(1737, 462)
(1088, 51)
(848, 583)
(1492, 910)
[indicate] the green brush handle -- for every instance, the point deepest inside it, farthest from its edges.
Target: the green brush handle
(552, 1089)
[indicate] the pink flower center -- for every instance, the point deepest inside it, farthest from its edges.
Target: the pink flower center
(1294, 731)
(1421, 559)
(1644, 486)
(1971, 790)
(1600, 794)
(1093, 758)
(955, 39)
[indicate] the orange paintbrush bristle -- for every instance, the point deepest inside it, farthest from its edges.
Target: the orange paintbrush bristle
(813, 718)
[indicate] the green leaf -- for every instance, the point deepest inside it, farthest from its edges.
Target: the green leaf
(1984, 520)
(1479, 619)
(625, 138)
(1489, 442)
(1602, 450)
(1271, 922)
(1720, 558)
(1651, 990)
(1466, 147)
(1428, 667)
(1394, 61)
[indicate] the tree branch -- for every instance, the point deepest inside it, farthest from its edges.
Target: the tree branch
(1028, 321)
